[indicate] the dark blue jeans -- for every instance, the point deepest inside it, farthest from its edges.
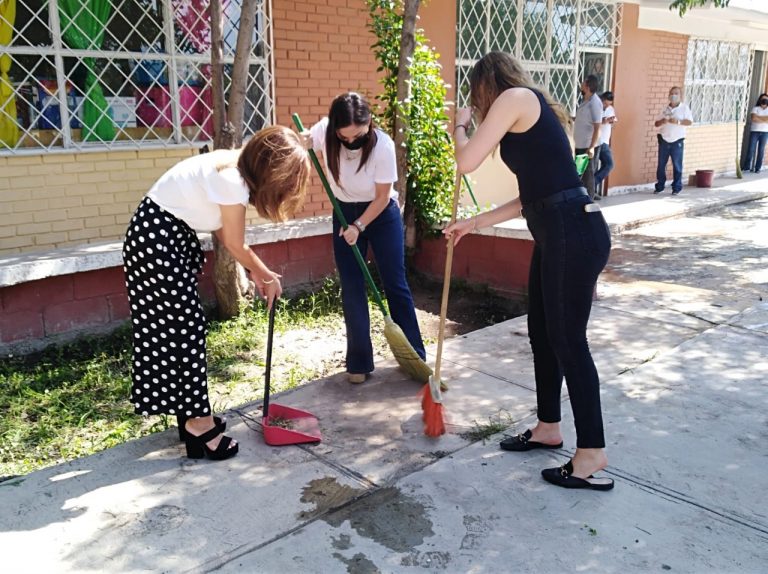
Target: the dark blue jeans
(385, 236)
(606, 165)
(571, 248)
(672, 150)
(757, 142)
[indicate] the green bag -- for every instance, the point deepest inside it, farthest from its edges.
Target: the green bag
(582, 161)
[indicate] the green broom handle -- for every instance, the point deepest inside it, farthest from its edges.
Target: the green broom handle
(342, 220)
(469, 189)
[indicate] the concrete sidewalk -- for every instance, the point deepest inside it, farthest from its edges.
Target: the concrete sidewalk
(683, 365)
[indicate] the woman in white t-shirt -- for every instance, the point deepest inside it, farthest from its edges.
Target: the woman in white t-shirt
(162, 257)
(360, 161)
(758, 135)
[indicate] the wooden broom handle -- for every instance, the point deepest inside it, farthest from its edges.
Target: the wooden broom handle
(447, 279)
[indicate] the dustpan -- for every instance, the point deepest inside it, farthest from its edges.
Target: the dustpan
(283, 425)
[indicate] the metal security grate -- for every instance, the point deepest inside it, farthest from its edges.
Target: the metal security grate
(717, 79)
(547, 35)
(96, 74)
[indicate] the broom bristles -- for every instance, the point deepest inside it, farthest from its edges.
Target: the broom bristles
(433, 416)
(404, 353)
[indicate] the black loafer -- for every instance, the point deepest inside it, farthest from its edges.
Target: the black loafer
(563, 476)
(523, 442)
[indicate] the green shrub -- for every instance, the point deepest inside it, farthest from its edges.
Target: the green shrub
(430, 163)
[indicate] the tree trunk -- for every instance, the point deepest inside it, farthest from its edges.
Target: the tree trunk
(229, 278)
(222, 130)
(243, 48)
(407, 45)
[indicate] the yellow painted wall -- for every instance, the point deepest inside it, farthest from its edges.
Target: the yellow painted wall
(55, 200)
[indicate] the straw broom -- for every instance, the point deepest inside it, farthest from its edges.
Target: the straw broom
(404, 353)
(432, 399)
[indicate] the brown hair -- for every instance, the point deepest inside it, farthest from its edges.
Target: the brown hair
(498, 71)
(275, 167)
(346, 110)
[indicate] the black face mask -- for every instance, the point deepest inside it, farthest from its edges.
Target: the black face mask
(357, 143)
(762, 103)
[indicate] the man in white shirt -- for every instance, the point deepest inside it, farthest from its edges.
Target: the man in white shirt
(605, 155)
(672, 123)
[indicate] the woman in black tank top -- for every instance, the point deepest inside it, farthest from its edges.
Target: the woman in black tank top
(572, 244)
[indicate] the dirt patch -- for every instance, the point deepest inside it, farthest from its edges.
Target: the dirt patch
(469, 307)
(325, 493)
(387, 517)
(358, 564)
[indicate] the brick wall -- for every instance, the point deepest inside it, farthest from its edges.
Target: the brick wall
(499, 262)
(667, 69)
(712, 147)
(322, 48)
(37, 312)
(54, 200)
(647, 64)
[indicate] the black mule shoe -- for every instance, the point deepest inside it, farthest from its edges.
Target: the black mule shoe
(563, 476)
(181, 421)
(523, 442)
(196, 447)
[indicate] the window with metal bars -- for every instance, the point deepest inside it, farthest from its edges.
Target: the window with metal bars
(717, 77)
(94, 74)
(546, 35)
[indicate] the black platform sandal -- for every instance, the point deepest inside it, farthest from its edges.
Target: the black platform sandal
(181, 421)
(196, 447)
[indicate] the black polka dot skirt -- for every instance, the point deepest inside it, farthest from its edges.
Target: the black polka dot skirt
(162, 258)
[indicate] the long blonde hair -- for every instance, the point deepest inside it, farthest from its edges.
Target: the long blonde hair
(498, 71)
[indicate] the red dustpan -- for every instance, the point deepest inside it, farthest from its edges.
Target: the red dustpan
(283, 425)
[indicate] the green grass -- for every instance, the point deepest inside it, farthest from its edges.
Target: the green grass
(497, 423)
(73, 400)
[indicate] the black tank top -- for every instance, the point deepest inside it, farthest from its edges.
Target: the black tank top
(541, 157)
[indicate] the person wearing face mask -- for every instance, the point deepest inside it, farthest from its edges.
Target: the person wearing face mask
(672, 123)
(360, 161)
(758, 135)
(586, 131)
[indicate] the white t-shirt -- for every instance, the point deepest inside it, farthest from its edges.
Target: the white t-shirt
(673, 132)
(194, 188)
(605, 129)
(357, 186)
(759, 126)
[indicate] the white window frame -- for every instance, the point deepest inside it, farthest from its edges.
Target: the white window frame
(546, 68)
(710, 93)
(172, 58)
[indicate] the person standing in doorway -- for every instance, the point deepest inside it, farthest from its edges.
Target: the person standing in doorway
(586, 130)
(362, 166)
(758, 135)
(672, 122)
(605, 155)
